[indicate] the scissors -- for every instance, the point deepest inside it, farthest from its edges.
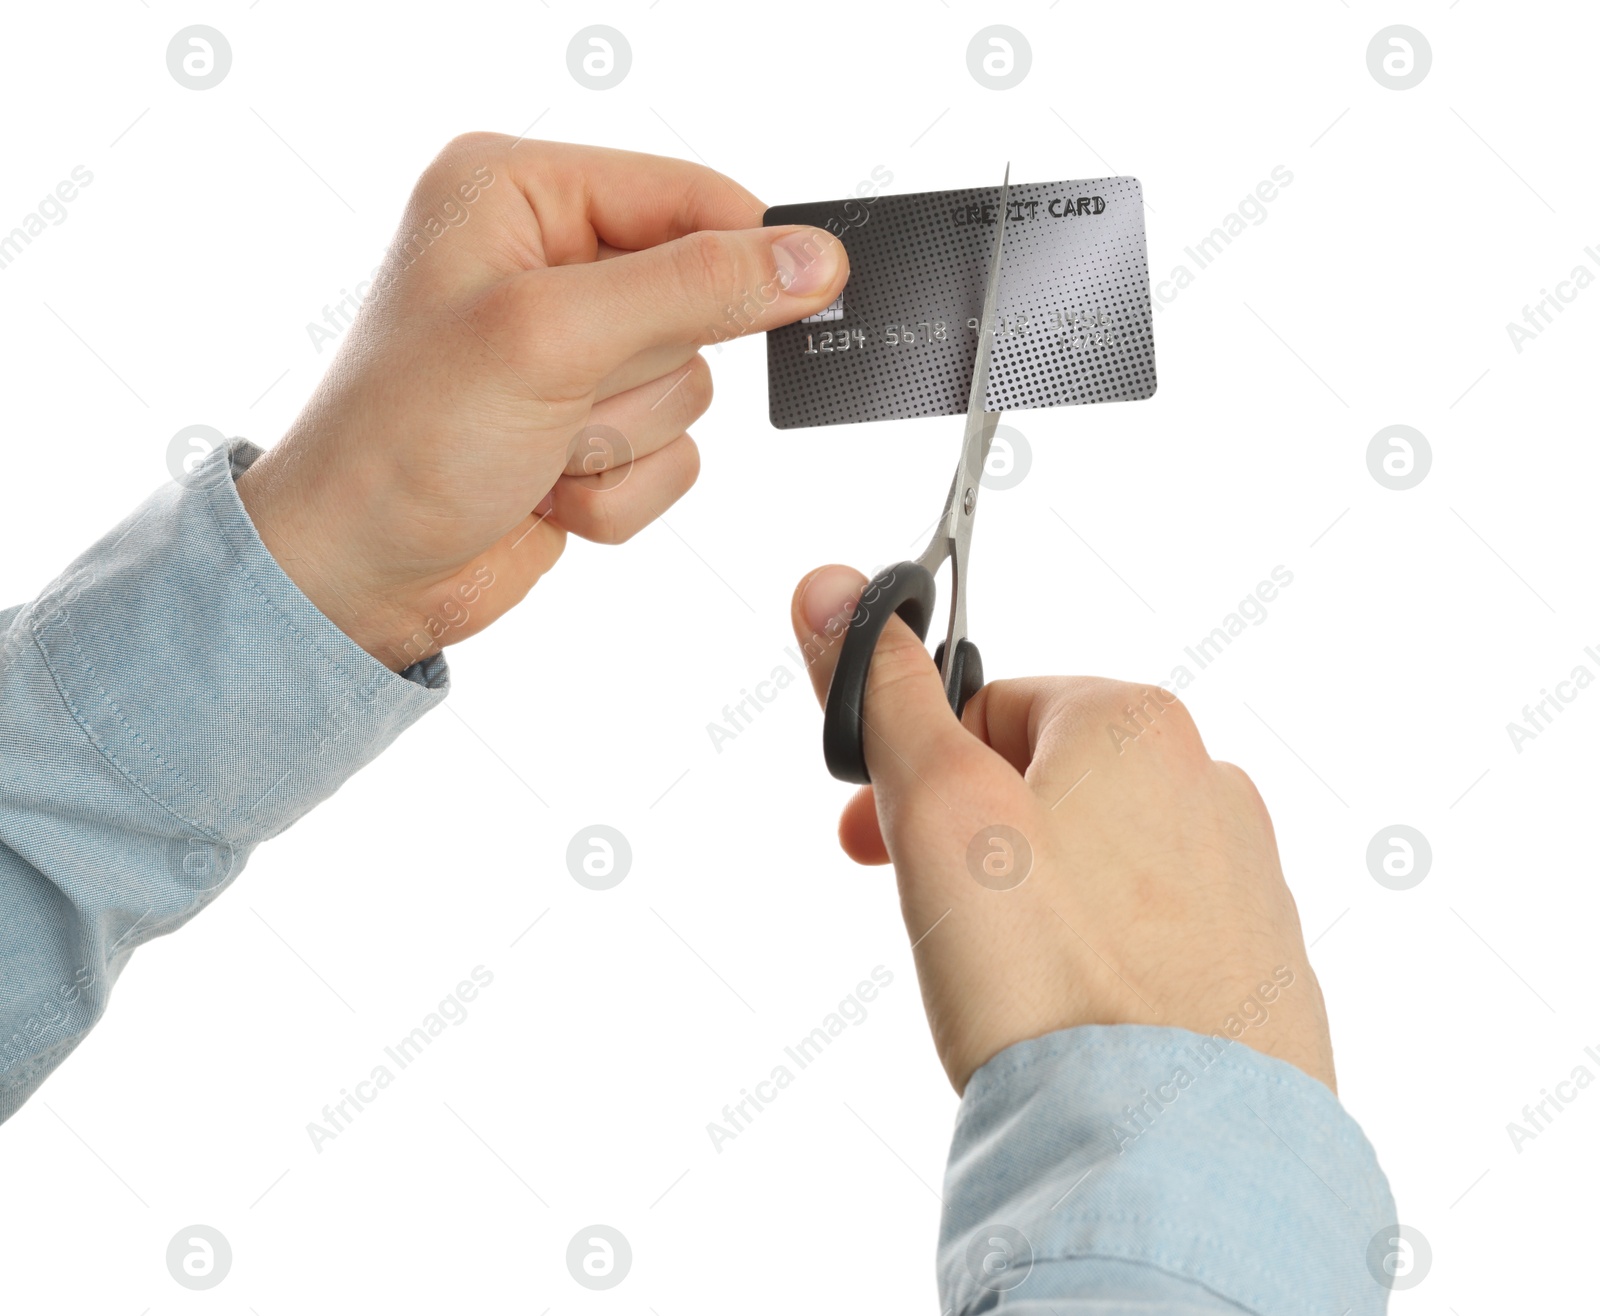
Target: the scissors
(906, 589)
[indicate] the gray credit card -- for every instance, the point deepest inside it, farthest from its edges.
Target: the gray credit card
(1073, 323)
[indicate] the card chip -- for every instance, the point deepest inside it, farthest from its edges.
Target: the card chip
(834, 310)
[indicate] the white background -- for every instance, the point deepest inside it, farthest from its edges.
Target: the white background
(1378, 690)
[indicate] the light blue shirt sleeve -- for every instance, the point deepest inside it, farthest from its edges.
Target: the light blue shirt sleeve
(172, 700)
(1100, 1171)
(169, 702)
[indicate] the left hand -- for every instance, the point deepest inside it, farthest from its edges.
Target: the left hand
(539, 300)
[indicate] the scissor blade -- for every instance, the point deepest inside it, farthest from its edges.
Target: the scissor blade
(980, 424)
(991, 295)
(963, 503)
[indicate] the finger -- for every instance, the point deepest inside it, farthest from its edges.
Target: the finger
(641, 421)
(701, 289)
(859, 833)
(625, 199)
(640, 368)
(1008, 716)
(615, 505)
(1055, 730)
(519, 559)
(910, 735)
(820, 611)
(559, 203)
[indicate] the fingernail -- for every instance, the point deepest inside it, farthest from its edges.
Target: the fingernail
(808, 261)
(831, 592)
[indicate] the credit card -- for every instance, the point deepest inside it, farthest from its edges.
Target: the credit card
(1073, 324)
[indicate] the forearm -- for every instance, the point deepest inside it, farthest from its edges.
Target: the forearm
(171, 701)
(1099, 1165)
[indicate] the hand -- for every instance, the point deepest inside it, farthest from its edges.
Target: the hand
(525, 365)
(1067, 853)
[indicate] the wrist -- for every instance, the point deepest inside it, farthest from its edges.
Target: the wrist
(325, 552)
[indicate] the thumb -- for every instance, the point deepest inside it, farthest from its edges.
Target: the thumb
(911, 737)
(700, 289)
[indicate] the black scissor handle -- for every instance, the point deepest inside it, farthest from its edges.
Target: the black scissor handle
(968, 673)
(907, 590)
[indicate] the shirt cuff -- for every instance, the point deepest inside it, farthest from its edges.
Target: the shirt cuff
(1100, 1162)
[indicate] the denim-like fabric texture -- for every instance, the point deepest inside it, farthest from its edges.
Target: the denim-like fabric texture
(172, 700)
(167, 703)
(1242, 1186)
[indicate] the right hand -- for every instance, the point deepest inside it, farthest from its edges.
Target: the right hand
(1153, 894)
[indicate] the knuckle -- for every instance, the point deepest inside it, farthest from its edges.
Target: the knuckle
(1242, 785)
(1167, 700)
(690, 459)
(470, 146)
(1100, 698)
(1149, 714)
(1236, 777)
(1175, 727)
(697, 389)
(602, 524)
(455, 178)
(713, 260)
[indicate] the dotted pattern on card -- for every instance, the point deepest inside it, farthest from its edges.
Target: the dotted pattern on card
(1073, 324)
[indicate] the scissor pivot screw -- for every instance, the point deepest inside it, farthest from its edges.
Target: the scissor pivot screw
(969, 501)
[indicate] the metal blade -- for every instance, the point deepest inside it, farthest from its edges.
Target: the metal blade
(963, 502)
(980, 368)
(980, 425)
